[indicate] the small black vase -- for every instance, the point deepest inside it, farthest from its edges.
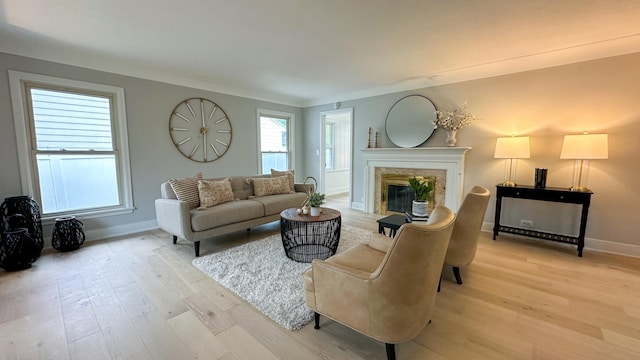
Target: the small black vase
(67, 234)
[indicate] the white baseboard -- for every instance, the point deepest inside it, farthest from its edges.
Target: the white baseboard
(612, 247)
(594, 244)
(113, 231)
(357, 206)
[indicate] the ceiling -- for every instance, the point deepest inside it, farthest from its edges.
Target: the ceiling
(311, 52)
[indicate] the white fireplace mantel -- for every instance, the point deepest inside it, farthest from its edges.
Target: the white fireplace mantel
(450, 159)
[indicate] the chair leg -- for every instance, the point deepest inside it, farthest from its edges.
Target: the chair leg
(316, 317)
(391, 351)
(439, 282)
(456, 272)
(175, 239)
(196, 247)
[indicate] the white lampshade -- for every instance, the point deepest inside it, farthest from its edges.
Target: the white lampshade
(512, 148)
(585, 146)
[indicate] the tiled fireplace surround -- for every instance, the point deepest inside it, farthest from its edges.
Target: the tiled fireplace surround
(445, 163)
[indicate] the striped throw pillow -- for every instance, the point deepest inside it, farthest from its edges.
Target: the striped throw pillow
(187, 190)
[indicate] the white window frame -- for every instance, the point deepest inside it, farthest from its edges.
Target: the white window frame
(332, 147)
(26, 155)
(290, 134)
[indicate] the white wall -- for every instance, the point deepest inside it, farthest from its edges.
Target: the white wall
(154, 158)
(599, 96)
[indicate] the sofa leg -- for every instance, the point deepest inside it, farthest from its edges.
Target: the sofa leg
(391, 351)
(316, 318)
(196, 247)
(175, 239)
(456, 273)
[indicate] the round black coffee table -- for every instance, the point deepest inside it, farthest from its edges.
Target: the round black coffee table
(307, 237)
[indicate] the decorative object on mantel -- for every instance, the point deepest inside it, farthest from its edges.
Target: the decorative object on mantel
(369, 140)
(422, 189)
(377, 139)
(583, 148)
(452, 121)
(511, 149)
(408, 122)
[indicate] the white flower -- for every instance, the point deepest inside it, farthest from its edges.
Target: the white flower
(454, 120)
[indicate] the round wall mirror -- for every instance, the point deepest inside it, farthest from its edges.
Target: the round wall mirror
(408, 122)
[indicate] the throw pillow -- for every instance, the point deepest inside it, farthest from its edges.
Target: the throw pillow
(271, 186)
(214, 192)
(187, 190)
(289, 173)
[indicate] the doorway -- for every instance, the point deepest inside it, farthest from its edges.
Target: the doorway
(336, 152)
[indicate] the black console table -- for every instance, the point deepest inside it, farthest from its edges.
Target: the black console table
(561, 195)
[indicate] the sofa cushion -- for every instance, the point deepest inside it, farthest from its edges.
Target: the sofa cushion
(274, 204)
(290, 174)
(214, 192)
(187, 190)
(270, 186)
(241, 189)
(225, 214)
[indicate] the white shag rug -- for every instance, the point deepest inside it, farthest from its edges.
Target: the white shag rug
(262, 274)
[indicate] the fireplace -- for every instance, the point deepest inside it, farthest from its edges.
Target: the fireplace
(444, 164)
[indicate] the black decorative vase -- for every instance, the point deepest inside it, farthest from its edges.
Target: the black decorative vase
(18, 250)
(67, 234)
(21, 230)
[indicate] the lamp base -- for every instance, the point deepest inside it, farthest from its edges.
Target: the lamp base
(509, 183)
(580, 189)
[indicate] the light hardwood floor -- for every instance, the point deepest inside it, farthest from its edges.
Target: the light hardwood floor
(139, 297)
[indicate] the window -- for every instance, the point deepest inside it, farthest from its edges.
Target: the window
(274, 129)
(73, 145)
(329, 145)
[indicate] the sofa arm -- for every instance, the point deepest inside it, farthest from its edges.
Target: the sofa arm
(173, 217)
(380, 242)
(305, 188)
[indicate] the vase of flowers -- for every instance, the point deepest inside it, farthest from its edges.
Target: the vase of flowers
(452, 121)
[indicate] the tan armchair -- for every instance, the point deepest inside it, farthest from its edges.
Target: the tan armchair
(466, 230)
(385, 289)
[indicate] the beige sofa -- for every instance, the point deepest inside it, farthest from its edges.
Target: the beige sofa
(245, 211)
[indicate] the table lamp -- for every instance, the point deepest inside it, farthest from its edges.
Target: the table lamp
(583, 148)
(511, 149)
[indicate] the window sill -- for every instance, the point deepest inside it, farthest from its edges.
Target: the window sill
(51, 219)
